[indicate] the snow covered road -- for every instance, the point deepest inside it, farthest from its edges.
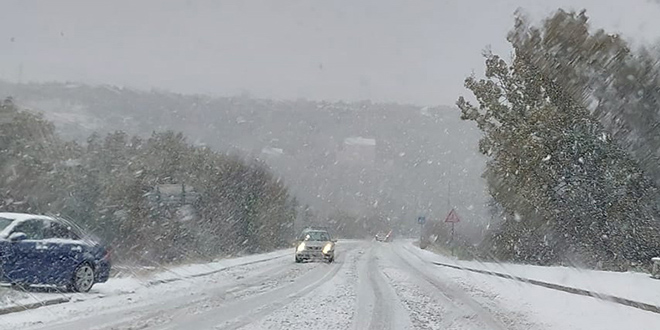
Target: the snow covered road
(370, 286)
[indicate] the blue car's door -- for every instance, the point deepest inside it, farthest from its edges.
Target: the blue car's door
(65, 252)
(23, 260)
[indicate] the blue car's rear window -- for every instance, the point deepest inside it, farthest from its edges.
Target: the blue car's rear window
(4, 222)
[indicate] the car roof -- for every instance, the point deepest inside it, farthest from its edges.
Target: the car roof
(23, 216)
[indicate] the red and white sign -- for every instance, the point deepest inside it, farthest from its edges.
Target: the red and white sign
(452, 217)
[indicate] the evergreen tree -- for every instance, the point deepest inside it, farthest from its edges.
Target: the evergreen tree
(601, 73)
(569, 192)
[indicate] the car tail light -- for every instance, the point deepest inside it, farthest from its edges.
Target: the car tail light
(106, 255)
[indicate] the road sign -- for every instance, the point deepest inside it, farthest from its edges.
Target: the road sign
(452, 217)
(421, 220)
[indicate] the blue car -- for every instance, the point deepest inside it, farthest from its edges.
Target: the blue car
(43, 250)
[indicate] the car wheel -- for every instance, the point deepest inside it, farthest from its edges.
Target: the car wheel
(298, 260)
(331, 260)
(83, 278)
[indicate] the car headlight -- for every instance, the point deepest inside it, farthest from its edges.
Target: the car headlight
(327, 248)
(301, 247)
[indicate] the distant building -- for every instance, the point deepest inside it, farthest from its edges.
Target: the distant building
(272, 151)
(357, 151)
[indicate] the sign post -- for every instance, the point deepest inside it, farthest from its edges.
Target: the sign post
(421, 220)
(452, 218)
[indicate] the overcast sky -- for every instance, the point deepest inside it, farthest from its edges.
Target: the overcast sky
(416, 51)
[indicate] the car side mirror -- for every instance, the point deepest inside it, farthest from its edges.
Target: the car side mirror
(18, 236)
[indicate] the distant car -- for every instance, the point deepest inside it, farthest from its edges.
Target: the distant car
(382, 237)
(315, 244)
(37, 249)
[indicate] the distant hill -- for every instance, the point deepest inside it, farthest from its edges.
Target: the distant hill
(391, 160)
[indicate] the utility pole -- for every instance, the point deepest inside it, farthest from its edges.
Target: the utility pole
(421, 220)
(20, 73)
(451, 240)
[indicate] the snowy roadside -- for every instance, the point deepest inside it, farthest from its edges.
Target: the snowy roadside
(528, 306)
(15, 301)
(639, 287)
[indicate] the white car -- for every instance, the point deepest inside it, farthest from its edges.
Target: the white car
(315, 244)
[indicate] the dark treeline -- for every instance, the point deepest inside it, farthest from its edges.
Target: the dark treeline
(304, 141)
(156, 199)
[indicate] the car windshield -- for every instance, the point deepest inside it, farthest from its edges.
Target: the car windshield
(316, 236)
(4, 222)
(330, 164)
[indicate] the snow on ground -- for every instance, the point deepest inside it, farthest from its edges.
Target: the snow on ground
(185, 271)
(234, 296)
(380, 306)
(424, 310)
(371, 285)
(457, 310)
(147, 306)
(535, 307)
(630, 285)
(544, 308)
(130, 284)
(330, 306)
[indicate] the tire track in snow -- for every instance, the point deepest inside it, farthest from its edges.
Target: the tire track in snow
(154, 312)
(330, 306)
(457, 299)
(250, 285)
(426, 307)
(379, 307)
(366, 297)
(240, 313)
(381, 314)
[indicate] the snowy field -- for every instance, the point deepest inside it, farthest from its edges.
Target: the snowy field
(371, 286)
